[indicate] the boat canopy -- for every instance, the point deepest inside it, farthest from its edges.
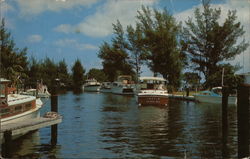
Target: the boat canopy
(152, 79)
(3, 80)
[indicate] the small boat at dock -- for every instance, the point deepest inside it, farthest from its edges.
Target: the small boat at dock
(123, 86)
(16, 107)
(106, 87)
(214, 96)
(91, 85)
(152, 91)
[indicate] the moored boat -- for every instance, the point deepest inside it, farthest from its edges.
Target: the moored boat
(123, 86)
(106, 87)
(214, 96)
(16, 107)
(91, 85)
(152, 91)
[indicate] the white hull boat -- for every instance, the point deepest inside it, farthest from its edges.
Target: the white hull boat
(91, 85)
(123, 86)
(152, 91)
(214, 96)
(106, 87)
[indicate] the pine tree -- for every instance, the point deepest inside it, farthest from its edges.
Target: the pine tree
(209, 43)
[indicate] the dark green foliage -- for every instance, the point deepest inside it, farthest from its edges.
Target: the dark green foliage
(136, 47)
(115, 57)
(62, 74)
(191, 79)
(97, 74)
(77, 74)
(160, 32)
(13, 60)
(230, 79)
(209, 43)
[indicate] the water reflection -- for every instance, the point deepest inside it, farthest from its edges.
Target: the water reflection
(97, 125)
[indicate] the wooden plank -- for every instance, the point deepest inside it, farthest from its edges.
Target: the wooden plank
(30, 125)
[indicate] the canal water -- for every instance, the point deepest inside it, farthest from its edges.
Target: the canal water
(98, 125)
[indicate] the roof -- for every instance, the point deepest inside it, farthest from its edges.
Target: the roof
(3, 80)
(152, 78)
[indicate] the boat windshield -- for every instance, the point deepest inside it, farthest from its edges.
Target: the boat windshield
(217, 91)
(152, 84)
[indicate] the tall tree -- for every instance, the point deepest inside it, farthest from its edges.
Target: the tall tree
(13, 60)
(160, 38)
(97, 74)
(209, 43)
(115, 57)
(63, 74)
(136, 47)
(78, 74)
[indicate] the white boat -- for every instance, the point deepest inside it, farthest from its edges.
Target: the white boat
(33, 92)
(152, 91)
(16, 107)
(92, 85)
(214, 96)
(106, 87)
(123, 86)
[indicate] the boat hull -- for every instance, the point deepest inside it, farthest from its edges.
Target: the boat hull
(123, 90)
(105, 90)
(215, 99)
(92, 88)
(152, 100)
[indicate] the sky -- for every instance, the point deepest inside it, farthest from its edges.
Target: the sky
(75, 29)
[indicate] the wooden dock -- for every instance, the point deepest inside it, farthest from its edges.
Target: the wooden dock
(22, 127)
(182, 97)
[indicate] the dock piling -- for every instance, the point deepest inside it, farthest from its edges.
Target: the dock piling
(54, 108)
(6, 146)
(224, 110)
(243, 104)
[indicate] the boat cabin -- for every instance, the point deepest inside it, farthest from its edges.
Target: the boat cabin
(13, 104)
(155, 83)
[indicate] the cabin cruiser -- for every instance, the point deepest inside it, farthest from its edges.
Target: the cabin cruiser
(214, 96)
(16, 107)
(106, 87)
(123, 86)
(152, 91)
(91, 85)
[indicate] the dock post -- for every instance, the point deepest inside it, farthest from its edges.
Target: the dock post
(54, 108)
(224, 113)
(187, 91)
(243, 103)
(6, 146)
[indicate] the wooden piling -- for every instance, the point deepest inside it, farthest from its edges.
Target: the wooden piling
(54, 108)
(224, 111)
(243, 103)
(6, 146)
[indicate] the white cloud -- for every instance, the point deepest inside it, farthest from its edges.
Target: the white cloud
(34, 38)
(100, 23)
(73, 43)
(34, 7)
(65, 28)
(243, 15)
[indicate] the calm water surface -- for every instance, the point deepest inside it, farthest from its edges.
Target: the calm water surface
(97, 125)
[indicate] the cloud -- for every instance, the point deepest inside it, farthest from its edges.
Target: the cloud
(34, 38)
(73, 43)
(35, 7)
(243, 16)
(64, 28)
(5, 7)
(100, 23)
